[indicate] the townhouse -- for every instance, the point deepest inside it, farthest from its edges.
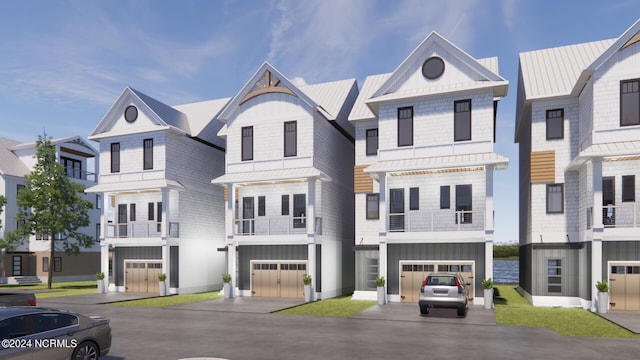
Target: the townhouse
(30, 261)
(160, 213)
(578, 129)
(288, 186)
(423, 175)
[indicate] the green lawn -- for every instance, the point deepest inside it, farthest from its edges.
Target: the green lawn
(164, 301)
(513, 309)
(337, 307)
(57, 289)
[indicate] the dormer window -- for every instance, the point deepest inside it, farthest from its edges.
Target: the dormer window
(630, 102)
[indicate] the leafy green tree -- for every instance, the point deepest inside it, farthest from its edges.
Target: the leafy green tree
(52, 204)
(3, 201)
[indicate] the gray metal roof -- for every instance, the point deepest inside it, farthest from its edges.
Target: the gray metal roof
(9, 162)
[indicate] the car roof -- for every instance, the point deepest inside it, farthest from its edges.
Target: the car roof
(443, 274)
(6, 311)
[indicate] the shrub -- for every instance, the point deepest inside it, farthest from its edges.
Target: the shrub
(380, 281)
(162, 277)
(226, 278)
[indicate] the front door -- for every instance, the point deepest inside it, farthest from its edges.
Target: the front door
(247, 215)
(122, 220)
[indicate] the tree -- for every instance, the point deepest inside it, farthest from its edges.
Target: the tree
(52, 204)
(3, 201)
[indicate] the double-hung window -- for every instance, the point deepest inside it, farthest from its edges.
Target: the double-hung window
(630, 102)
(373, 206)
(445, 197)
(628, 188)
(290, 138)
(555, 198)
(405, 126)
(372, 141)
(247, 143)
(462, 120)
(115, 157)
(555, 124)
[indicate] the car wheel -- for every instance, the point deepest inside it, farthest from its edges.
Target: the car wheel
(86, 351)
(462, 311)
(424, 309)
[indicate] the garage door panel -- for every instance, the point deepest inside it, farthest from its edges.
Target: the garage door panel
(633, 292)
(624, 288)
(278, 279)
(413, 274)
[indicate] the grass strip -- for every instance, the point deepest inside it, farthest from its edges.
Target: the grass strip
(337, 307)
(514, 310)
(57, 289)
(172, 300)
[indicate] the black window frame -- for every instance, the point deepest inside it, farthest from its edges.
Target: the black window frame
(372, 141)
(115, 157)
(555, 271)
(414, 198)
(551, 116)
(552, 186)
(132, 212)
(631, 87)
(57, 264)
(299, 210)
(290, 138)
(458, 119)
(445, 197)
(147, 156)
(247, 143)
(151, 209)
(72, 167)
(405, 121)
(261, 205)
(284, 205)
(628, 188)
(372, 206)
(45, 264)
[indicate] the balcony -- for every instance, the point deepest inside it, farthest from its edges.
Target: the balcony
(274, 225)
(437, 220)
(141, 229)
(626, 215)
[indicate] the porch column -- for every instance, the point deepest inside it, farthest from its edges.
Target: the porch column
(488, 223)
(598, 229)
(311, 241)
(382, 229)
(104, 231)
(229, 231)
(164, 232)
(104, 263)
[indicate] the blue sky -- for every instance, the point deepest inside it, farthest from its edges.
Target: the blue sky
(63, 63)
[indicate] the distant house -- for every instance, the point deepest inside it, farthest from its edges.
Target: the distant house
(288, 186)
(30, 262)
(578, 128)
(160, 213)
(424, 168)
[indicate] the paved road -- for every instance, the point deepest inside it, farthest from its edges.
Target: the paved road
(144, 333)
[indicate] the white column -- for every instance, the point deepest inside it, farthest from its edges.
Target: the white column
(104, 263)
(311, 241)
(382, 230)
(164, 226)
(229, 230)
(598, 229)
(489, 223)
(104, 247)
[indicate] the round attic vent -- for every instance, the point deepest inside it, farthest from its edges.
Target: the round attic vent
(131, 113)
(432, 68)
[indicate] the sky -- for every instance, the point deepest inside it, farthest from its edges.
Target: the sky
(64, 63)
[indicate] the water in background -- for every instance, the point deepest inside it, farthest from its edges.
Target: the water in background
(505, 271)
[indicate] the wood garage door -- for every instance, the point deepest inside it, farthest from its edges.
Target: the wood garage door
(624, 289)
(142, 276)
(412, 274)
(278, 279)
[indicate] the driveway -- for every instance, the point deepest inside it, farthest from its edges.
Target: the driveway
(242, 304)
(146, 333)
(476, 315)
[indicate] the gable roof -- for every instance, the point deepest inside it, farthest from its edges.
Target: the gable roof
(415, 56)
(10, 164)
(78, 140)
(202, 118)
(274, 81)
(159, 113)
(360, 110)
(564, 70)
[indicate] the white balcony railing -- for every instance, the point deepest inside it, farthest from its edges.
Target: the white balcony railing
(141, 229)
(626, 215)
(437, 220)
(272, 225)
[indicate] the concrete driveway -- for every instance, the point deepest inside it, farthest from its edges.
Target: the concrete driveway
(242, 304)
(476, 315)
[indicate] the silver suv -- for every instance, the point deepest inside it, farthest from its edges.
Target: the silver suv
(447, 290)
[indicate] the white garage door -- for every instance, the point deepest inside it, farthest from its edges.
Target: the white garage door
(624, 286)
